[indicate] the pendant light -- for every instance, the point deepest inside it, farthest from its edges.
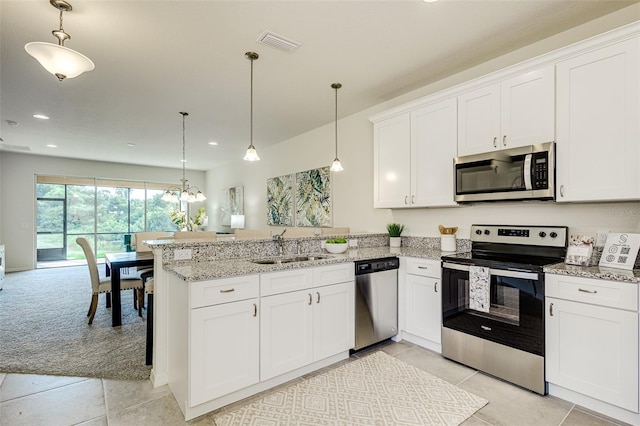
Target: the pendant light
(252, 154)
(336, 166)
(56, 58)
(186, 193)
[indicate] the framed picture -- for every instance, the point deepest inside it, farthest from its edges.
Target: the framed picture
(313, 197)
(280, 200)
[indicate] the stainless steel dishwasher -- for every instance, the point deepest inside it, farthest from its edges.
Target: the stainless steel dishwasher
(376, 300)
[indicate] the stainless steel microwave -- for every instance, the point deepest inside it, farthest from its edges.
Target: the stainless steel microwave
(524, 173)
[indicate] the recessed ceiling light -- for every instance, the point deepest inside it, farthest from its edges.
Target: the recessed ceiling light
(50, 145)
(12, 123)
(40, 116)
(131, 144)
(213, 143)
(183, 161)
(429, 1)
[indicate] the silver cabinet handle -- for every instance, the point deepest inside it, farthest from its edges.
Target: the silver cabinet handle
(229, 290)
(435, 286)
(562, 190)
(255, 310)
(485, 328)
(317, 297)
(423, 267)
(413, 199)
(584, 290)
(406, 199)
(310, 299)
(550, 309)
(504, 140)
(495, 142)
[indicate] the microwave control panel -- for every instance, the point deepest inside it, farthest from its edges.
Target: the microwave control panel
(540, 172)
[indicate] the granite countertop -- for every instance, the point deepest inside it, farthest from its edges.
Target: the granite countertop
(207, 270)
(611, 274)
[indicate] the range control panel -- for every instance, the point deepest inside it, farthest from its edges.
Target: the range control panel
(553, 236)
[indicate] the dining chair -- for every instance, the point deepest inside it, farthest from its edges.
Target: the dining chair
(103, 285)
(251, 234)
(195, 235)
(335, 231)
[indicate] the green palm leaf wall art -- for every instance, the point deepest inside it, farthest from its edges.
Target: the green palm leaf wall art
(313, 197)
(280, 200)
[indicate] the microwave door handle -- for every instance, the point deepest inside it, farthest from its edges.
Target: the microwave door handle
(494, 272)
(527, 172)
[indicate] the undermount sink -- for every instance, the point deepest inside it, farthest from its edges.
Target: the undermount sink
(281, 260)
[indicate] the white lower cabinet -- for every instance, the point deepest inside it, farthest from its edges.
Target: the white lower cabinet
(304, 326)
(592, 338)
(286, 335)
(224, 349)
(422, 302)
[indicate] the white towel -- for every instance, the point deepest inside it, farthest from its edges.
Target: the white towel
(479, 288)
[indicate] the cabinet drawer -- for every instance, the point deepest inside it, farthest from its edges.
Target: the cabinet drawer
(423, 267)
(333, 274)
(615, 294)
(285, 281)
(215, 292)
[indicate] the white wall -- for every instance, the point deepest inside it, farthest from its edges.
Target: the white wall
(17, 194)
(353, 188)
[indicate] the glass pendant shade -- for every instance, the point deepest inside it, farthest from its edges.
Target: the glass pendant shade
(59, 60)
(170, 197)
(252, 154)
(336, 166)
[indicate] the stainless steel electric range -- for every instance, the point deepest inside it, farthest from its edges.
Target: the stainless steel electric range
(493, 301)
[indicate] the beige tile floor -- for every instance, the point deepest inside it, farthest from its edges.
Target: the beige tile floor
(61, 401)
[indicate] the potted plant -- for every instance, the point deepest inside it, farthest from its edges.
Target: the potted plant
(336, 245)
(395, 230)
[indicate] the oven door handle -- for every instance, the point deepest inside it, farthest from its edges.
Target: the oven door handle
(495, 272)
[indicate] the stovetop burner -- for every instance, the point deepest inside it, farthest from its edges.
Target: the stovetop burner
(515, 247)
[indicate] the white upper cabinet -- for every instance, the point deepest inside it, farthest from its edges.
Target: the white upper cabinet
(391, 162)
(413, 157)
(598, 144)
(433, 147)
(515, 112)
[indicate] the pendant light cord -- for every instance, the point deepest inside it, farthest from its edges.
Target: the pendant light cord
(336, 120)
(184, 155)
(251, 109)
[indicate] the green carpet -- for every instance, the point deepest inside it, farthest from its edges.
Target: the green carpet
(44, 330)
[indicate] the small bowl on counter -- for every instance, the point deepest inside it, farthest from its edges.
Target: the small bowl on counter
(336, 245)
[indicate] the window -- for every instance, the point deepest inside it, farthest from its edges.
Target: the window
(101, 210)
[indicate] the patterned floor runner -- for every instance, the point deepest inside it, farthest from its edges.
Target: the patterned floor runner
(375, 390)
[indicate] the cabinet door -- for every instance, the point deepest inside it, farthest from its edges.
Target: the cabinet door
(479, 120)
(598, 137)
(593, 350)
(527, 109)
(286, 332)
(224, 355)
(333, 319)
(424, 307)
(433, 147)
(391, 153)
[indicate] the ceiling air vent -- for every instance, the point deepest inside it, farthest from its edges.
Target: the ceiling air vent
(278, 42)
(15, 147)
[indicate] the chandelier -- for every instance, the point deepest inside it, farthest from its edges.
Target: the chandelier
(186, 193)
(56, 58)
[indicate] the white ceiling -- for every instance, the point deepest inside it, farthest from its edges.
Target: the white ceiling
(156, 58)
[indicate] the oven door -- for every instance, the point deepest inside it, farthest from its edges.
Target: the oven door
(515, 316)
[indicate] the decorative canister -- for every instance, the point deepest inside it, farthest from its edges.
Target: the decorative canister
(448, 242)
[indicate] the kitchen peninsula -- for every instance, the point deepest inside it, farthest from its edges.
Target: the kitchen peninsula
(217, 315)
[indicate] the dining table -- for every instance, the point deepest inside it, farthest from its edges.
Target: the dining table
(114, 262)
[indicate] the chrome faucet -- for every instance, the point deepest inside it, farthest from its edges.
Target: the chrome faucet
(280, 240)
